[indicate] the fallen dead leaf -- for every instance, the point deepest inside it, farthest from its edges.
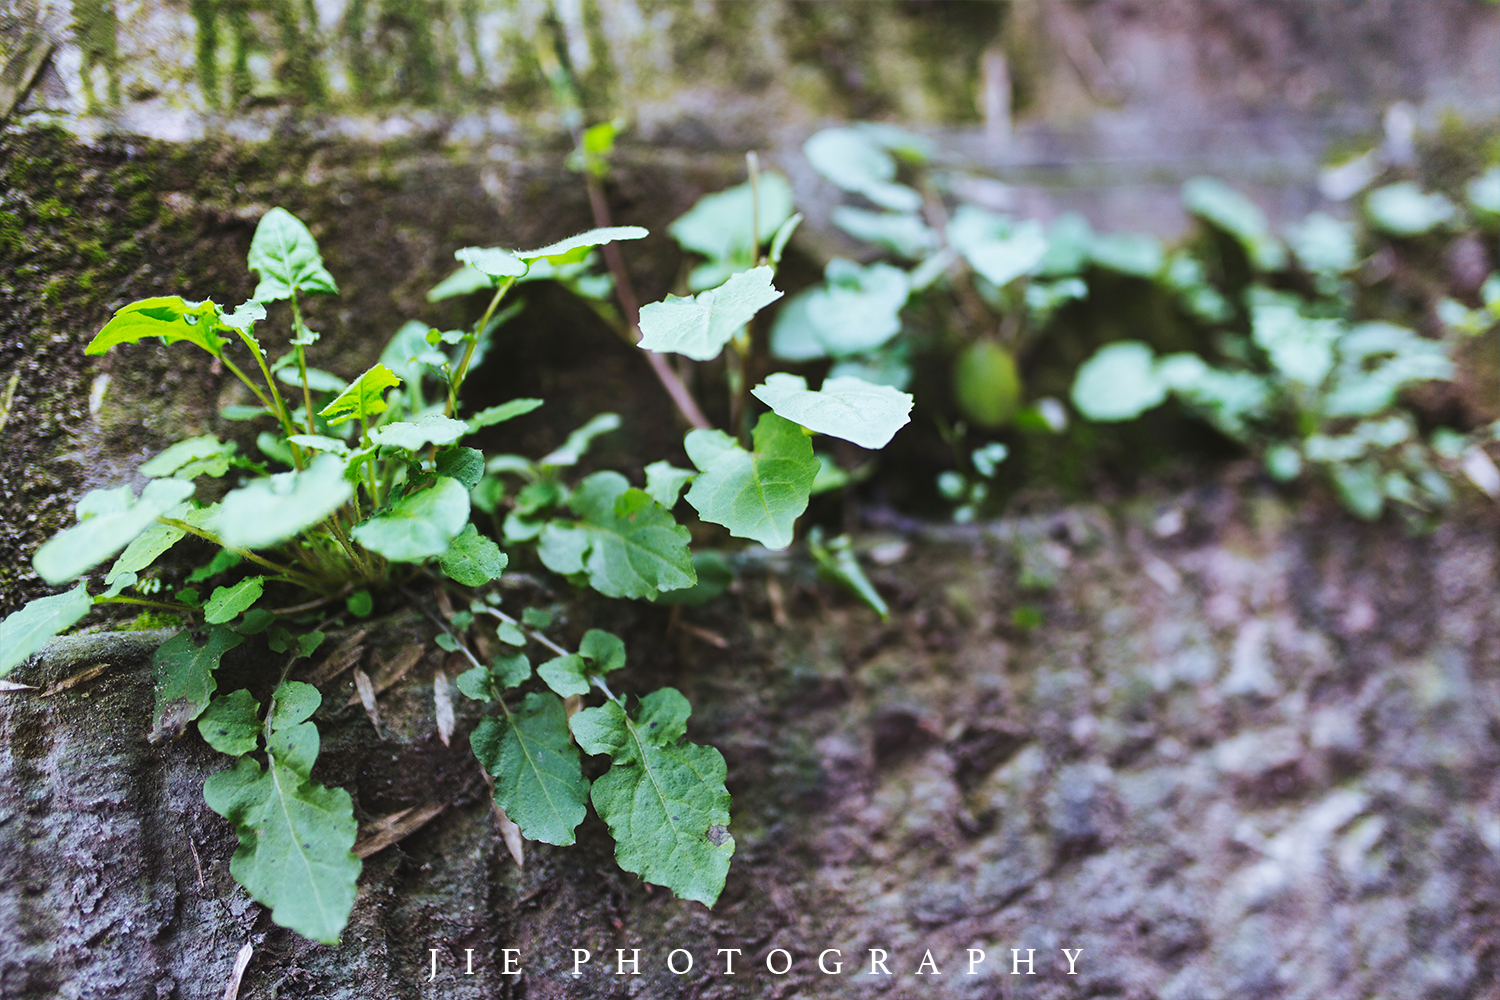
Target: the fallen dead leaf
(396, 827)
(366, 691)
(241, 962)
(347, 654)
(442, 700)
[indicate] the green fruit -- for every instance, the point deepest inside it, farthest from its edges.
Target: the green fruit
(986, 384)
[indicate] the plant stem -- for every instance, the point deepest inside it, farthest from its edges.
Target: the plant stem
(300, 332)
(462, 371)
(752, 164)
(180, 608)
(280, 408)
(242, 553)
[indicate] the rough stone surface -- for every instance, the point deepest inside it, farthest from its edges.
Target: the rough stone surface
(945, 782)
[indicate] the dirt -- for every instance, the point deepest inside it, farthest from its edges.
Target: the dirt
(1246, 747)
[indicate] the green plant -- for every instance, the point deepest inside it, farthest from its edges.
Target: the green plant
(375, 496)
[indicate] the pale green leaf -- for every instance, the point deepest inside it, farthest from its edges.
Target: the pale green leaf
(244, 318)
(151, 543)
(755, 494)
(718, 226)
(413, 435)
(664, 481)
(182, 675)
(1119, 382)
(231, 723)
(567, 675)
(1403, 209)
(493, 262)
(192, 458)
(271, 510)
(365, 397)
(837, 560)
(858, 309)
(626, 542)
(228, 602)
(461, 282)
(420, 525)
(605, 650)
(317, 442)
(108, 521)
(170, 317)
(714, 577)
(317, 379)
(848, 408)
(1137, 254)
(793, 335)
(592, 238)
(996, 249)
(473, 559)
(1301, 349)
(1484, 194)
(664, 800)
(904, 234)
(1323, 244)
(26, 631)
(781, 238)
(699, 326)
(287, 259)
(579, 442)
(855, 161)
(538, 778)
(1218, 203)
(492, 415)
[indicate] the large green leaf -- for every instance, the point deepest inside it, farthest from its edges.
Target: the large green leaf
(108, 520)
(664, 800)
(286, 256)
(996, 249)
(194, 457)
(902, 233)
(1403, 209)
(857, 309)
(26, 631)
(854, 160)
(718, 226)
(461, 282)
(1216, 202)
(227, 602)
(271, 510)
(755, 494)
(492, 262)
(420, 525)
(538, 780)
(429, 428)
(1119, 382)
(182, 674)
(626, 542)
(295, 834)
(699, 326)
(848, 408)
(473, 559)
(365, 397)
(170, 317)
(231, 723)
(579, 442)
(151, 543)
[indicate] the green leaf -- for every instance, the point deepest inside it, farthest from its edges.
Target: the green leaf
(287, 259)
(271, 510)
(993, 247)
(108, 520)
(904, 234)
(191, 458)
(714, 577)
(838, 561)
(244, 318)
(510, 670)
(1301, 349)
(182, 674)
(1136, 254)
(1324, 245)
(794, 336)
(492, 262)
(718, 226)
(464, 464)
(664, 481)
(855, 161)
(858, 309)
(605, 650)
(539, 781)
(473, 559)
(986, 384)
(295, 834)
(699, 326)
(567, 675)
(781, 238)
(499, 414)
(231, 724)
(430, 428)
(554, 252)
(317, 442)
(1484, 195)
(579, 442)
(461, 282)
(1358, 485)
(664, 801)
(626, 542)
(1216, 202)
(365, 397)
(227, 602)
(848, 408)
(420, 525)
(1403, 209)
(151, 543)
(755, 494)
(26, 631)
(1118, 383)
(170, 317)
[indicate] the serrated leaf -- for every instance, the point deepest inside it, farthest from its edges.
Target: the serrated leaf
(1119, 382)
(492, 415)
(700, 326)
(579, 442)
(848, 408)
(718, 225)
(271, 510)
(473, 559)
(420, 525)
(461, 282)
(108, 521)
(413, 435)
(664, 481)
(365, 397)
(231, 723)
(626, 542)
(182, 675)
(855, 161)
(295, 834)
(191, 458)
(539, 781)
(664, 801)
(286, 256)
(567, 675)
(755, 494)
(26, 631)
(592, 238)
(492, 262)
(170, 317)
(227, 602)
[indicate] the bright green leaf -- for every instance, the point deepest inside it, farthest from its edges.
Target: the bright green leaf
(267, 511)
(420, 525)
(1119, 382)
(429, 428)
(567, 675)
(191, 458)
(1323, 244)
(108, 521)
(1218, 203)
(848, 408)
(1137, 254)
(227, 602)
(855, 161)
(699, 326)
(1403, 209)
(592, 238)
(605, 650)
(664, 481)
(492, 261)
(755, 494)
(714, 577)
(626, 542)
(26, 631)
(905, 235)
(664, 800)
(151, 543)
(182, 674)
(499, 414)
(231, 723)
(996, 249)
(718, 226)
(473, 559)
(170, 317)
(838, 561)
(539, 781)
(365, 397)
(579, 442)
(464, 464)
(318, 442)
(461, 282)
(858, 308)
(287, 259)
